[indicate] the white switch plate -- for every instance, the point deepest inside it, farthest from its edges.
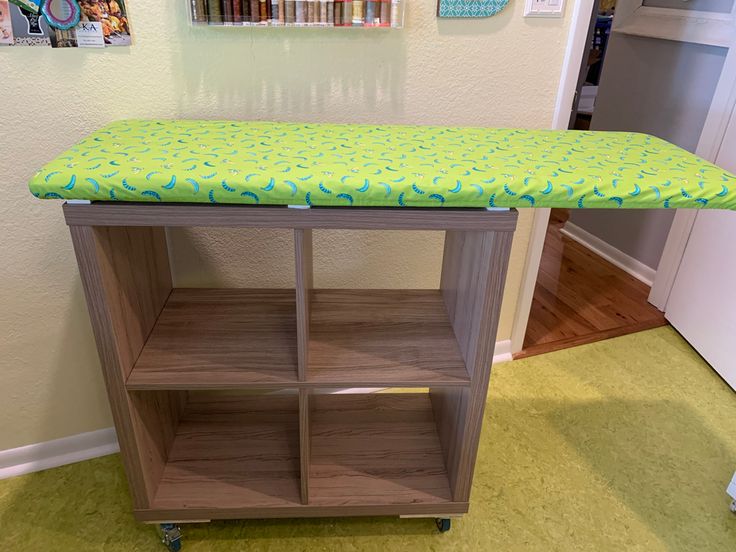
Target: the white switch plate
(544, 8)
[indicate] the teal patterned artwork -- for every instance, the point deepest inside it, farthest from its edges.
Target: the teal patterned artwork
(470, 8)
(270, 163)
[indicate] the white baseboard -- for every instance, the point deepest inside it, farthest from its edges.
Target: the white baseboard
(625, 262)
(68, 450)
(502, 352)
(59, 452)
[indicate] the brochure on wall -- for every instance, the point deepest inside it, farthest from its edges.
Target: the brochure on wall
(112, 15)
(6, 25)
(90, 34)
(102, 23)
(29, 29)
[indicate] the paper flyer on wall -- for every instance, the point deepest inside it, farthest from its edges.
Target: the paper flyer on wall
(6, 24)
(29, 29)
(112, 15)
(102, 23)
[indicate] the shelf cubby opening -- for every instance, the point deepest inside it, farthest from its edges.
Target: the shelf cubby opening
(382, 337)
(376, 337)
(375, 449)
(220, 338)
(232, 450)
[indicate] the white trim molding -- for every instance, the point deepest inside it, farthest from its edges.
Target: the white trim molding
(615, 256)
(697, 27)
(669, 263)
(59, 452)
(576, 48)
(540, 220)
(502, 352)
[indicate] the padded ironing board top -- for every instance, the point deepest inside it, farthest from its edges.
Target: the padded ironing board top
(380, 166)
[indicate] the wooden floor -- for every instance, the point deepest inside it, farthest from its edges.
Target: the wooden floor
(581, 298)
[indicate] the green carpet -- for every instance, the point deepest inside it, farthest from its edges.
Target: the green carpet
(626, 444)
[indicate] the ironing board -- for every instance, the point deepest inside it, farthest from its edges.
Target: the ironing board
(269, 163)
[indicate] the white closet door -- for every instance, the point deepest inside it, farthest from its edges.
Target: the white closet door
(702, 303)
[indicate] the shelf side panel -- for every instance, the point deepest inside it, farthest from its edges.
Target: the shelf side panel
(473, 276)
(134, 265)
(156, 416)
(304, 285)
(450, 407)
(305, 441)
(126, 280)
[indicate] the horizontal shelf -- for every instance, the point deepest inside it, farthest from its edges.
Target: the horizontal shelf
(375, 449)
(233, 451)
(220, 338)
(246, 338)
(382, 338)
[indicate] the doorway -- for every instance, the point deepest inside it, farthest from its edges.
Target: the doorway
(580, 297)
(653, 78)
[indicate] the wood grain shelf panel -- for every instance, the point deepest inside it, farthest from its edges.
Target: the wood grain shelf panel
(379, 338)
(375, 449)
(106, 213)
(233, 451)
(220, 338)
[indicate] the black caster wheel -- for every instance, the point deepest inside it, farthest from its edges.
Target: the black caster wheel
(171, 536)
(443, 524)
(733, 506)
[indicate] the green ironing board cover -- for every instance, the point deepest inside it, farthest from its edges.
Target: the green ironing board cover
(272, 163)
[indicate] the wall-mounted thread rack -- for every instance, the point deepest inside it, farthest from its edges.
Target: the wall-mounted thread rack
(299, 13)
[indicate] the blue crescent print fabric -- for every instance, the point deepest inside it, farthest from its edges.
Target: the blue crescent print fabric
(271, 163)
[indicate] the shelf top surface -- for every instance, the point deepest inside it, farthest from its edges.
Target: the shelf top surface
(270, 163)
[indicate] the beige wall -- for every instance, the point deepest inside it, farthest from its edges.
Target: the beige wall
(501, 71)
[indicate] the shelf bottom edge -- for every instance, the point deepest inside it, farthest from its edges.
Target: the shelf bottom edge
(193, 515)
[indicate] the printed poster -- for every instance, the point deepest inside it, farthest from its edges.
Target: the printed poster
(6, 24)
(29, 29)
(112, 15)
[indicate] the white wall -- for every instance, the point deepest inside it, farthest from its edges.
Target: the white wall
(659, 87)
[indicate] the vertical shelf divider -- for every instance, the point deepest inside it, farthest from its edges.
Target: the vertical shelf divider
(473, 275)
(305, 442)
(304, 285)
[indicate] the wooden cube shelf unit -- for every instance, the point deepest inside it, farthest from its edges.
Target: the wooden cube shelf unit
(218, 395)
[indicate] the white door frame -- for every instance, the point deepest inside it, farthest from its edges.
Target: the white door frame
(576, 47)
(635, 19)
